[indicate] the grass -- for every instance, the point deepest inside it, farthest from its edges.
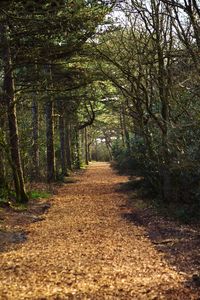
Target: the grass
(10, 202)
(34, 194)
(83, 167)
(20, 207)
(38, 194)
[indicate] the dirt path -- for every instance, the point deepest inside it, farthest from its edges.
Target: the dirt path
(85, 249)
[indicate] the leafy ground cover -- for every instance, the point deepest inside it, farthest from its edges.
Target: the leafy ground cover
(92, 244)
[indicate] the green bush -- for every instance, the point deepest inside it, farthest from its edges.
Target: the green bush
(184, 178)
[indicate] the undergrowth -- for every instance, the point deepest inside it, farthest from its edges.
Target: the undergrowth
(35, 194)
(141, 197)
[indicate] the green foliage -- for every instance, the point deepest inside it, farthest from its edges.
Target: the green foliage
(123, 160)
(35, 194)
(184, 177)
(4, 193)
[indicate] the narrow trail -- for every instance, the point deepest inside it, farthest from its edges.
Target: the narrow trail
(85, 249)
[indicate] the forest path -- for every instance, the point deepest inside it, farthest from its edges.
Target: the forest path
(85, 249)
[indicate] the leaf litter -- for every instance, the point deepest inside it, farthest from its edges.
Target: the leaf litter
(85, 249)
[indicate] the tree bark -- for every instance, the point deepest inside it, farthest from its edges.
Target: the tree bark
(35, 148)
(9, 91)
(77, 149)
(50, 142)
(125, 130)
(2, 170)
(3, 183)
(68, 146)
(122, 128)
(163, 86)
(89, 152)
(96, 151)
(86, 147)
(62, 140)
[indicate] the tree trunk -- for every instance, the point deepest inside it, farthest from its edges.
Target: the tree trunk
(86, 147)
(9, 90)
(62, 140)
(68, 146)
(122, 128)
(109, 148)
(3, 184)
(77, 149)
(163, 86)
(50, 142)
(35, 148)
(2, 171)
(126, 133)
(96, 150)
(89, 151)
(82, 144)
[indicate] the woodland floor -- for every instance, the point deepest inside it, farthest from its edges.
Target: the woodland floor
(91, 244)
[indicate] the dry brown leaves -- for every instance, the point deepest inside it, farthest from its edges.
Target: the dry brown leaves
(85, 249)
